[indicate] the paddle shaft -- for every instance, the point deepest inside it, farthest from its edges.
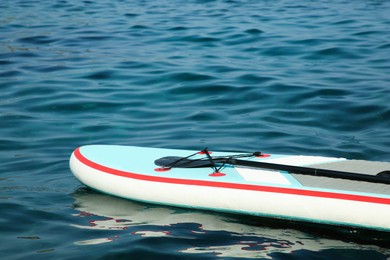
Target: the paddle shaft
(312, 171)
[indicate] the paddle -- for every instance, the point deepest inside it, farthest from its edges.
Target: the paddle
(185, 162)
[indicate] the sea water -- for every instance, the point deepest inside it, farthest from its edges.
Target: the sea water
(281, 76)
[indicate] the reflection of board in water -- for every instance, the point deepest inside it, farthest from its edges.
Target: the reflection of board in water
(239, 236)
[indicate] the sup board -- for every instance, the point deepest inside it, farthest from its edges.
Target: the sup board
(326, 190)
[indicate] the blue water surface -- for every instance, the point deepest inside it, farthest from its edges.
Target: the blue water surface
(281, 76)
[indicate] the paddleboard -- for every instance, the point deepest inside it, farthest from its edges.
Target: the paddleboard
(131, 172)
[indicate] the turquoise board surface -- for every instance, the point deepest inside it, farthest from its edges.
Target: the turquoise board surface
(140, 160)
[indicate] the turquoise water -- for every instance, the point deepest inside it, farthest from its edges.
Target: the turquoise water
(299, 77)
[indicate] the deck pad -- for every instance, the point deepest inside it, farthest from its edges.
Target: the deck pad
(356, 166)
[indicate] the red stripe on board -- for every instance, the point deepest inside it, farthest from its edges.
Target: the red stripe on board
(310, 193)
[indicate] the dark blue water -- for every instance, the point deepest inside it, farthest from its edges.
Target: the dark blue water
(300, 77)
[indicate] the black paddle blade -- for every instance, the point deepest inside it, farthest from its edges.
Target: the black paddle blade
(384, 174)
(181, 162)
